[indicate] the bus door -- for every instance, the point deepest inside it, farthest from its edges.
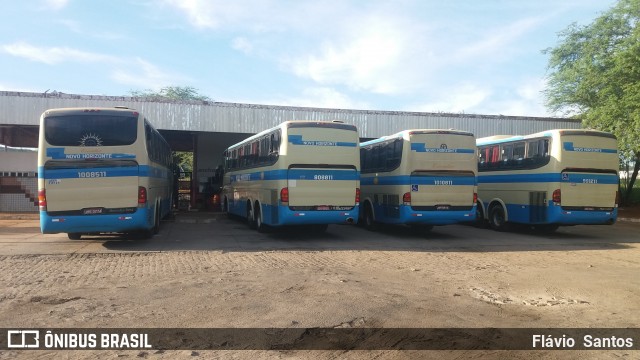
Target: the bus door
(442, 190)
(91, 187)
(322, 188)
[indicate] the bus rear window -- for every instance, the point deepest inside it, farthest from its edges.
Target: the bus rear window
(90, 130)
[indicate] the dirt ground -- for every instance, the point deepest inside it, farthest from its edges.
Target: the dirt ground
(229, 276)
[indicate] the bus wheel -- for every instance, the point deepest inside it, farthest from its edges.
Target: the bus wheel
(497, 218)
(74, 236)
(369, 221)
(260, 226)
(156, 221)
(250, 217)
(480, 221)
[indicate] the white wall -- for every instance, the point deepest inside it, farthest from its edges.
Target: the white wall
(18, 161)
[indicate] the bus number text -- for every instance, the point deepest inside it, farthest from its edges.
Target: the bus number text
(443, 182)
(92, 174)
(322, 177)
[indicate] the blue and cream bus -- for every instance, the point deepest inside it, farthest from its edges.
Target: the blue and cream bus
(102, 170)
(548, 179)
(419, 177)
(299, 172)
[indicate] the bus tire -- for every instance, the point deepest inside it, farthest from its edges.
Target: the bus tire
(156, 222)
(480, 220)
(260, 226)
(250, 216)
(369, 218)
(497, 219)
(74, 236)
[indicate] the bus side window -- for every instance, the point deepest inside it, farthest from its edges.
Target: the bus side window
(518, 154)
(482, 157)
(507, 152)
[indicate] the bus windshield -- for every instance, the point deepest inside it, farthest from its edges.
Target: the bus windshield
(94, 130)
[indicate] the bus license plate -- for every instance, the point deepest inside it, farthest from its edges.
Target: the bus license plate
(92, 211)
(323, 207)
(442, 207)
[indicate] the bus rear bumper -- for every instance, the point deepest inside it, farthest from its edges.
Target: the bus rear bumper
(403, 214)
(556, 215)
(286, 216)
(581, 217)
(95, 223)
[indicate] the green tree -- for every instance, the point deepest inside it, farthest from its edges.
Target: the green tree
(171, 93)
(594, 74)
(174, 93)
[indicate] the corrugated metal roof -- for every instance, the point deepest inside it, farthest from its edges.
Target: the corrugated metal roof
(23, 108)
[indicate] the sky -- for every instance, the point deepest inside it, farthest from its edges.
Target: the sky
(457, 56)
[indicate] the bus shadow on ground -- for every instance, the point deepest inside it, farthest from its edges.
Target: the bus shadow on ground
(232, 235)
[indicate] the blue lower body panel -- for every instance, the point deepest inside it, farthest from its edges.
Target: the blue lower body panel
(403, 214)
(142, 219)
(556, 215)
(280, 215)
(285, 216)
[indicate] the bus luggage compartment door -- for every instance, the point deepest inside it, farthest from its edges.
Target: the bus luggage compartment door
(442, 190)
(588, 190)
(322, 188)
(91, 187)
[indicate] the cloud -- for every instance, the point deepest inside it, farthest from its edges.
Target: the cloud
(369, 57)
(54, 55)
(322, 97)
(497, 43)
(56, 4)
(145, 75)
(461, 98)
(242, 44)
(525, 99)
(137, 71)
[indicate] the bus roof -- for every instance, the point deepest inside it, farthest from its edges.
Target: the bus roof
(497, 139)
(337, 124)
(404, 134)
(104, 110)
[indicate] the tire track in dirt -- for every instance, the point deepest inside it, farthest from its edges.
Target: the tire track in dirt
(27, 274)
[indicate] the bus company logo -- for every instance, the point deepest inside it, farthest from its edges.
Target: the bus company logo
(443, 146)
(565, 177)
(23, 339)
(90, 140)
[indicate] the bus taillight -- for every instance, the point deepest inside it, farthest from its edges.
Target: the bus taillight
(475, 197)
(42, 200)
(284, 196)
(142, 196)
(357, 196)
(406, 198)
(617, 198)
(556, 197)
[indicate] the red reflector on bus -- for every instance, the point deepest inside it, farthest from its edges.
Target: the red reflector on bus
(475, 198)
(357, 195)
(556, 197)
(284, 195)
(42, 200)
(142, 195)
(406, 198)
